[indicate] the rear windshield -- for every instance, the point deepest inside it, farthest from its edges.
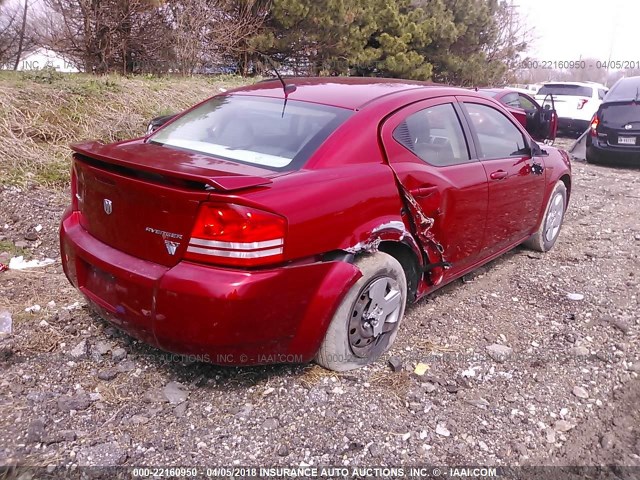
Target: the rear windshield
(253, 130)
(620, 115)
(625, 89)
(560, 89)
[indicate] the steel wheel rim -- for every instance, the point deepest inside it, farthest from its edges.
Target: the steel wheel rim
(554, 217)
(374, 315)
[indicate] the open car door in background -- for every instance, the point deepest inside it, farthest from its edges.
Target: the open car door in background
(542, 121)
(548, 120)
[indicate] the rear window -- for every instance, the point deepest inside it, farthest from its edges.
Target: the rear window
(253, 130)
(619, 115)
(625, 89)
(560, 89)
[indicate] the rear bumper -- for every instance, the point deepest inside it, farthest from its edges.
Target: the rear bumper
(604, 153)
(222, 316)
(572, 125)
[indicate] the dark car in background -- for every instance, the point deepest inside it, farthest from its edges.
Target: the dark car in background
(614, 134)
(541, 123)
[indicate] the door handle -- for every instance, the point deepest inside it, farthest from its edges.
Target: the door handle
(422, 192)
(498, 175)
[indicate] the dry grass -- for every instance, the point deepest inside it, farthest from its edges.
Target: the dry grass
(40, 115)
(314, 374)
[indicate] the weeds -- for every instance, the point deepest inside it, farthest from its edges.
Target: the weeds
(42, 112)
(11, 249)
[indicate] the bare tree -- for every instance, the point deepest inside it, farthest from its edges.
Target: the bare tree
(513, 37)
(8, 19)
(21, 34)
(207, 33)
(190, 22)
(16, 35)
(126, 36)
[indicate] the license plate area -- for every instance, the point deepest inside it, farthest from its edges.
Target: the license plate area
(626, 140)
(102, 285)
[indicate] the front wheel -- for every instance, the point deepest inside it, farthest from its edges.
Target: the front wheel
(366, 323)
(545, 238)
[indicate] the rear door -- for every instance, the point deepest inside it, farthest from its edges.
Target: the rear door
(427, 148)
(516, 180)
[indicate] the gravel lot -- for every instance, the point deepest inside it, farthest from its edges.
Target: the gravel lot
(561, 388)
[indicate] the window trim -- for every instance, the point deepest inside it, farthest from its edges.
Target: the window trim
(474, 135)
(470, 147)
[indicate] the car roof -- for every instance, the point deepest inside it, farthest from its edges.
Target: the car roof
(505, 89)
(352, 93)
(580, 84)
(630, 79)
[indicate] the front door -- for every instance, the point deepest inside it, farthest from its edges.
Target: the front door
(548, 118)
(427, 148)
(516, 180)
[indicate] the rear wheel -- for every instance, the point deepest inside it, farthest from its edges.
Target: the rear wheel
(366, 323)
(545, 238)
(590, 158)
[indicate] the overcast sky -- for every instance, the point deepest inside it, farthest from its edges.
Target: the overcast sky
(568, 29)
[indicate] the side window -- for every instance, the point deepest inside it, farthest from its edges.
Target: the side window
(526, 104)
(601, 93)
(498, 137)
(435, 135)
(511, 100)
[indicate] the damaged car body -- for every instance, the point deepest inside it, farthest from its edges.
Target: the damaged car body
(272, 224)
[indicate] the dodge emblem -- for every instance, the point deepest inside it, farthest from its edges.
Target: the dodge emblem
(107, 205)
(171, 246)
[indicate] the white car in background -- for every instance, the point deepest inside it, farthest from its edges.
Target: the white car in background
(575, 102)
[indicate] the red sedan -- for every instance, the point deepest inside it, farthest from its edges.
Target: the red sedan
(288, 223)
(541, 123)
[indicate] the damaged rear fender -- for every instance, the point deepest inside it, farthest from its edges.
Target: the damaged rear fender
(392, 237)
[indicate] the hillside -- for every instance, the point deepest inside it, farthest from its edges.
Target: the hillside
(42, 113)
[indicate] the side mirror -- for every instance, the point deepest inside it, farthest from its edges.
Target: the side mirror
(547, 107)
(157, 122)
(537, 151)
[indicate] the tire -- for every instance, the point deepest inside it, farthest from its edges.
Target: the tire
(353, 338)
(545, 238)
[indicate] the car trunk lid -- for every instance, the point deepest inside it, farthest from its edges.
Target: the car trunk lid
(143, 199)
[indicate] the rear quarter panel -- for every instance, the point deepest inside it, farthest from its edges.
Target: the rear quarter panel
(330, 209)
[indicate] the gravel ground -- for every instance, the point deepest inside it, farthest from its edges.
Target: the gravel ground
(532, 360)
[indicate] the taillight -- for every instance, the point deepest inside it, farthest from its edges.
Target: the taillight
(595, 121)
(582, 103)
(235, 235)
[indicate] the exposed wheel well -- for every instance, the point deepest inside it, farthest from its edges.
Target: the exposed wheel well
(409, 262)
(566, 179)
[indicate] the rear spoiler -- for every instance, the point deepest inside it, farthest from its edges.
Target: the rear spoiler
(224, 183)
